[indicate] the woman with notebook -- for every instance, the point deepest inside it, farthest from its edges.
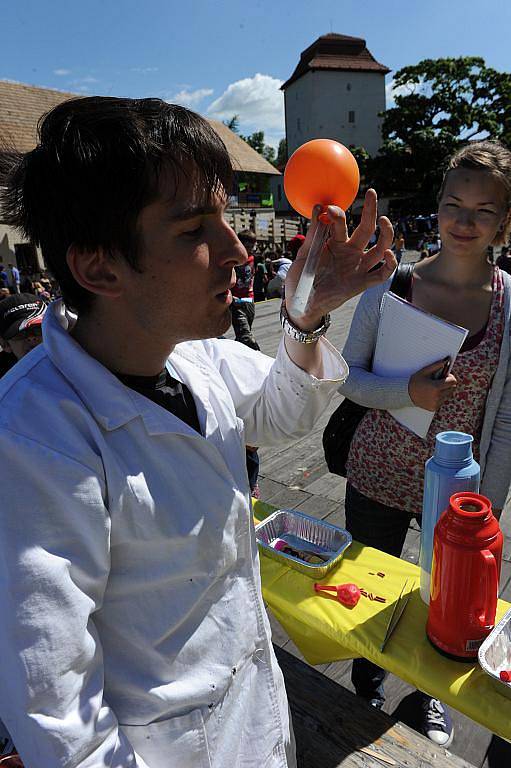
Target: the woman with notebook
(385, 468)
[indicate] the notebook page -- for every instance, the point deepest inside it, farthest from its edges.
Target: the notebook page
(408, 339)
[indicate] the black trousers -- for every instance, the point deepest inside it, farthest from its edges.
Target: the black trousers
(243, 313)
(375, 525)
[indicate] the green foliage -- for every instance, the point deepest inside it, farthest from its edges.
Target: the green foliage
(256, 141)
(440, 105)
(362, 157)
(281, 154)
(269, 153)
(233, 124)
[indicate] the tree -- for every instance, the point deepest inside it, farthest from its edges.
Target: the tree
(256, 141)
(269, 154)
(233, 124)
(281, 154)
(362, 157)
(440, 105)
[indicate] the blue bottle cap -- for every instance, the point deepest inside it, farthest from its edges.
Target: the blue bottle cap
(453, 449)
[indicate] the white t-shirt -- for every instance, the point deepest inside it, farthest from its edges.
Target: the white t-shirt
(283, 267)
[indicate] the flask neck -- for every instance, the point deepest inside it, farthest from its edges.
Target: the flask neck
(454, 462)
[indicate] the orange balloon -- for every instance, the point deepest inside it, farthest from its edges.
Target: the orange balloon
(321, 171)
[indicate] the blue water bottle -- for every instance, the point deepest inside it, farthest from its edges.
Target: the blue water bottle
(452, 468)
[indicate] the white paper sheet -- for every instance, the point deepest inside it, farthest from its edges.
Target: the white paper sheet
(409, 339)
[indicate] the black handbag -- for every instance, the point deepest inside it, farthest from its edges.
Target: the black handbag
(344, 421)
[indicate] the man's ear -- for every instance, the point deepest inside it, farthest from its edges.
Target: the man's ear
(97, 271)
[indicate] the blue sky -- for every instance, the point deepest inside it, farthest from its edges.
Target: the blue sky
(222, 57)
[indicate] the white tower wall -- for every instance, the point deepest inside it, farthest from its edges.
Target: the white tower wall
(341, 105)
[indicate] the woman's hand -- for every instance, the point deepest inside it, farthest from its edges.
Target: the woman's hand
(344, 267)
(428, 392)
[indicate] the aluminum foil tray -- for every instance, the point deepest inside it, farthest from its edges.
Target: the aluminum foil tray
(310, 539)
(495, 653)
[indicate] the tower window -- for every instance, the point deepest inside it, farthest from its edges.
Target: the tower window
(348, 87)
(351, 116)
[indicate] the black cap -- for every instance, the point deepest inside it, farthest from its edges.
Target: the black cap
(18, 312)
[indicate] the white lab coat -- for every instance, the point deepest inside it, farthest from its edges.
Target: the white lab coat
(133, 630)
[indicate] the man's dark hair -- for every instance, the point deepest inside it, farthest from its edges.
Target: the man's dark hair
(96, 166)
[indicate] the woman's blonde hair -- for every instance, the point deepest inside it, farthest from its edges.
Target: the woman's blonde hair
(491, 156)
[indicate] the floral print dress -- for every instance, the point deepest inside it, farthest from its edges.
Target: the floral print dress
(386, 460)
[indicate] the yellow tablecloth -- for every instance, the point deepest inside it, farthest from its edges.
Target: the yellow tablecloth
(326, 631)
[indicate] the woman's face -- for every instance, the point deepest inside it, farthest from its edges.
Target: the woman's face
(471, 212)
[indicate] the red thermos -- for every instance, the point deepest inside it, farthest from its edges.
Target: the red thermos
(467, 553)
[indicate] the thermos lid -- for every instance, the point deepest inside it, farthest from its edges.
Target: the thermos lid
(453, 449)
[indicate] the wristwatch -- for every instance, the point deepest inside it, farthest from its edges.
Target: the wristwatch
(304, 337)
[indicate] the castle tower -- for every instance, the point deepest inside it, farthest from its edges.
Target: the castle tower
(336, 91)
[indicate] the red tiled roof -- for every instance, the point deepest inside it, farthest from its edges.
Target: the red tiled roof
(336, 52)
(22, 106)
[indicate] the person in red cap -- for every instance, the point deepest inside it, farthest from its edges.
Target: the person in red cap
(296, 243)
(21, 316)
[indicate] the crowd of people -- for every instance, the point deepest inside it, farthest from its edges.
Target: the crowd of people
(14, 280)
(134, 629)
(269, 264)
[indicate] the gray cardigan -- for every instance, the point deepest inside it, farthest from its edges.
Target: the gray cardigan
(373, 391)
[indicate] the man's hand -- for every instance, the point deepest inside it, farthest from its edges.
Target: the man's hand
(428, 392)
(344, 268)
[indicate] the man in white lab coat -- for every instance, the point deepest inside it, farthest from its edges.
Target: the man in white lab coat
(133, 630)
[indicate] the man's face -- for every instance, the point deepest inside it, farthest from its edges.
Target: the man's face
(24, 342)
(187, 257)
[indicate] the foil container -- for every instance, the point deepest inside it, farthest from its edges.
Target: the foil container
(311, 538)
(494, 655)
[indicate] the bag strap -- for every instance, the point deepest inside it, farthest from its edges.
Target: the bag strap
(402, 280)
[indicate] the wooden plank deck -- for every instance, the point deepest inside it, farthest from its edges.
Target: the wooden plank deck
(335, 728)
(296, 476)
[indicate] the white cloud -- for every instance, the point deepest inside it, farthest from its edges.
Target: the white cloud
(144, 70)
(258, 101)
(61, 72)
(189, 98)
(10, 80)
(82, 81)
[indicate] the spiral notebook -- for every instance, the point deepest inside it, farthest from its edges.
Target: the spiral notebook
(409, 339)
